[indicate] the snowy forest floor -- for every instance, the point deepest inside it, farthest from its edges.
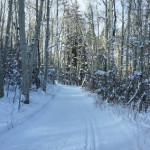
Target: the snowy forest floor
(68, 118)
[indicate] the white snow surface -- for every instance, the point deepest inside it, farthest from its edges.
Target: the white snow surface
(70, 120)
(100, 72)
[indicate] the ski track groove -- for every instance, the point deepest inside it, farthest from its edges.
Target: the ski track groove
(91, 139)
(94, 128)
(87, 136)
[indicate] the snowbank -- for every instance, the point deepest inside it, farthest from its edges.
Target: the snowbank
(10, 115)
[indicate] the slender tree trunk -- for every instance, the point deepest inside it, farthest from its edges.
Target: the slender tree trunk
(140, 35)
(122, 41)
(8, 29)
(127, 50)
(16, 22)
(1, 76)
(106, 35)
(38, 48)
(148, 59)
(46, 46)
(95, 64)
(23, 48)
(57, 50)
(98, 34)
(128, 35)
(3, 23)
(147, 35)
(35, 46)
(1, 11)
(112, 30)
(1, 68)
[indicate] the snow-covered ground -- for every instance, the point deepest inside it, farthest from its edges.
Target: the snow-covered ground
(70, 120)
(11, 116)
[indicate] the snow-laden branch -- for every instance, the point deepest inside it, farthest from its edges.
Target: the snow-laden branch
(52, 46)
(132, 98)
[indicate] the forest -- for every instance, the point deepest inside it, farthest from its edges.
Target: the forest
(74, 74)
(101, 45)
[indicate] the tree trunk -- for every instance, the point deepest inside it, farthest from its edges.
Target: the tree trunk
(23, 48)
(35, 46)
(122, 41)
(128, 35)
(1, 69)
(46, 46)
(8, 29)
(1, 76)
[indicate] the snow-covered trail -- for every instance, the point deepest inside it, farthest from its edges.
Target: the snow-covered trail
(71, 122)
